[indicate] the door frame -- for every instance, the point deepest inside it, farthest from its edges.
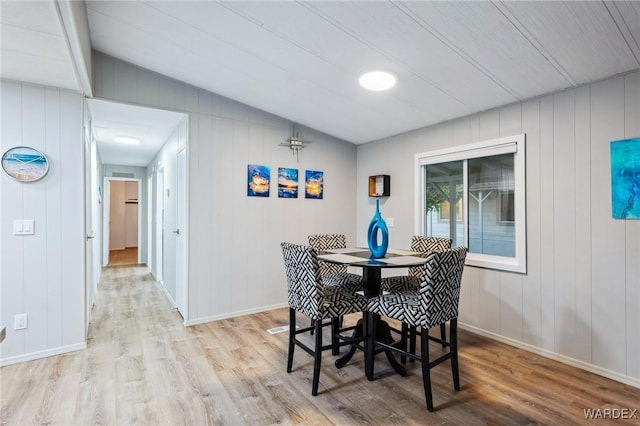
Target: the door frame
(159, 229)
(182, 210)
(106, 209)
(90, 287)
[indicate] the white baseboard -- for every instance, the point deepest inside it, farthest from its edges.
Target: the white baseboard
(614, 375)
(43, 354)
(166, 293)
(234, 314)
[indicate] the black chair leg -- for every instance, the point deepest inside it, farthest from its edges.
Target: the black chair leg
(292, 336)
(443, 334)
(317, 358)
(370, 333)
(453, 337)
(335, 329)
(313, 330)
(413, 332)
(426, 371)
(404, 331)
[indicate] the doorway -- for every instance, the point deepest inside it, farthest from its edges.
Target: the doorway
(123, 224)
(148, 146)
(122, 218)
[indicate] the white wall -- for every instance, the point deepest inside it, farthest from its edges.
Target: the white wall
(42, 275)
(235, 262)
(580, 301)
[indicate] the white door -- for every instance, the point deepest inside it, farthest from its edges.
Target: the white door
(181, 232)
(90, 286)
(149, 201)
(170, 233)
(159, 234)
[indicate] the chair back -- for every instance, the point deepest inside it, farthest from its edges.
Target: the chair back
(423, 245)
(322, 242)
(304, 293)
(440, 286)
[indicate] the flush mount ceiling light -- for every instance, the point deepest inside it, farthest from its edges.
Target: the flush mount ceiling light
(378, 80)
(127, 140)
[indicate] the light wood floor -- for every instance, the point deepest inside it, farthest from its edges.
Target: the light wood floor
(142, 366)
(127, 256)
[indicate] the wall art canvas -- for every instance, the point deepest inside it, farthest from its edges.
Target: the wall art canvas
(313, 184)
(625, 178)
(287, 183)
(258, 180)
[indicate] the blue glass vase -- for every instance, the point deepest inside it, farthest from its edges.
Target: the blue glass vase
(377, 224)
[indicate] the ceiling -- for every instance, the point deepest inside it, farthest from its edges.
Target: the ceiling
(301, 60)
(151, 126)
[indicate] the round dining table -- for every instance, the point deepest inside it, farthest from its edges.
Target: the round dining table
(372, 278)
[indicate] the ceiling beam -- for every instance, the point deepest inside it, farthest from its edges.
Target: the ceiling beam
(75, 25)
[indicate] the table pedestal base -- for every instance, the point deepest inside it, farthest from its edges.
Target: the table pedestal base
(383, 334)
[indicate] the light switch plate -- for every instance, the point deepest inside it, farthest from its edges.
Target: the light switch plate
(23, 227)
(389, 221)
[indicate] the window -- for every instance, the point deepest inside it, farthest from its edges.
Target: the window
(507, 207)
(486, 184)
(445, 211)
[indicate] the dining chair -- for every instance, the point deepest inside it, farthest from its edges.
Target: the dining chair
(324, 305)
(435, 303)
(328, 271)
(333, 274)
(411, 282)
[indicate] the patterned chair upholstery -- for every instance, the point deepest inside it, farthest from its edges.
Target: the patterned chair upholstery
(411, 281)
(332, 273)
(435, 303)
(307, 295)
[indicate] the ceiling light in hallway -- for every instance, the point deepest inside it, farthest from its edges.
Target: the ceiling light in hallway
(378, 80)
(127, 140)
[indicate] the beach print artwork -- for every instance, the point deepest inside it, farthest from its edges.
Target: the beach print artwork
(287, 183)
(314, 184)
(625, 178)
(25, 164)
(258, 180)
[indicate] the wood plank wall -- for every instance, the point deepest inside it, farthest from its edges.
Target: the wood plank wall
(42, 274)
(580, 300)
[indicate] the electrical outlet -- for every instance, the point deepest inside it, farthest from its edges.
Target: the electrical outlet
(20, 322)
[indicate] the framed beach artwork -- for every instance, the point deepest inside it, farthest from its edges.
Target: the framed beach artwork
(287, 183)
(258, 180)
(25, 164)
(625, 178)
(313, 184)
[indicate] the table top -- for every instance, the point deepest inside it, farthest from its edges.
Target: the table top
(358, 256)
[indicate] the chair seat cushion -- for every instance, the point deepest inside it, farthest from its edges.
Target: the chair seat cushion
(402, 307)
(401, 284)
(340, 301)
(350, 282)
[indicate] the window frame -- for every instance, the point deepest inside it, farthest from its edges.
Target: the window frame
(515, 145)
